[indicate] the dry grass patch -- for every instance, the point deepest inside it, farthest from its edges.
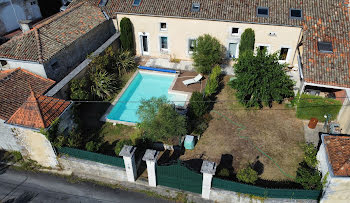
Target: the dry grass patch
(275, 131)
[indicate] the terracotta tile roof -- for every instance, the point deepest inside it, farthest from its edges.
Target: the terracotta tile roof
(54, 34)
(15, 88)
(38, 111)
(338, 150)
(324, 20)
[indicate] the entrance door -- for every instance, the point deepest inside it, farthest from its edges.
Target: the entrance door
(232, 50)
(144, 45)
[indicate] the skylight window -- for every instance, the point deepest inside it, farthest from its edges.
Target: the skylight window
(103, 3)
(262, 12)
(325, 47)
(195, 7)
(295, 13)
(136, 2)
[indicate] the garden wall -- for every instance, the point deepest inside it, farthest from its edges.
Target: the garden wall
(92, 170)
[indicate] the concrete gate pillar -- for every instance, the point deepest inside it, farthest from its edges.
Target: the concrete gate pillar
(208, 169)
(128, 154)
(151, 160)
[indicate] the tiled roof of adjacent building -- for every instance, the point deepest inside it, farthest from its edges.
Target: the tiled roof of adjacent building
(15, 88)
(51, 36)
(38, 111)
(323, 20)
(338, 150)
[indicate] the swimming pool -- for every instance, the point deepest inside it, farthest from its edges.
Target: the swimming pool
(144, 86)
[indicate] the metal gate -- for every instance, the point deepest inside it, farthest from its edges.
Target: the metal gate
(180, 177)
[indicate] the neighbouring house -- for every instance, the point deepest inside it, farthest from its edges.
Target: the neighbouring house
(55, 46)
(24, 110)
(334, 162)
(12, 12)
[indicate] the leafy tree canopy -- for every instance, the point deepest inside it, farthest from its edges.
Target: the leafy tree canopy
(260, 79)
(247, 41)
(207, 53)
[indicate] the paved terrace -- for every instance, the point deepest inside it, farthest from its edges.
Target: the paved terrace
(185, 75)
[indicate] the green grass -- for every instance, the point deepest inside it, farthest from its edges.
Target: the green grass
(310, 106)
(112, 132)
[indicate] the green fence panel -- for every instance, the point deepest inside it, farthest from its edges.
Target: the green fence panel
(91, 156)
(265, 192)
(180, 177)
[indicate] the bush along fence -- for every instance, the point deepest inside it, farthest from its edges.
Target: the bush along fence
(91, 156)
(180, 177)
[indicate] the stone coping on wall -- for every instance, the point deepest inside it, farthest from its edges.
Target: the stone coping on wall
(54, 90)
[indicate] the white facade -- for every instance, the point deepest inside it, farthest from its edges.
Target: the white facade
(8, 141)
(337, 189)
(13, 11)
(32, 67)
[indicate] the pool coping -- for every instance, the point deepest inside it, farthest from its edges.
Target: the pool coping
(115, 101)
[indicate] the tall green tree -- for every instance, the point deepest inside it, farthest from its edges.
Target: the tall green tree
(159, 120)
(207, 53)
(247, 41)
(260, 79)
(127, 35)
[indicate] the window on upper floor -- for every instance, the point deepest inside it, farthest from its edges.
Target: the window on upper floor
(163, 27)
(283, 53)
(262, 11)
(325, 47)
(234, 31)
(295, 13)
(191, 44)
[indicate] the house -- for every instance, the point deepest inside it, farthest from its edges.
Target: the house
(24, 110)
(334, 162)
(55, 46)
(310, 36)
(12, 12)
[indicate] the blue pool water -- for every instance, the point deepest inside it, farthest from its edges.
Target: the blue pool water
(144, 86)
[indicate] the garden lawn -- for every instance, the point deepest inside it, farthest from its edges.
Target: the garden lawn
(275, 131)
(310, 106)
(112, 133)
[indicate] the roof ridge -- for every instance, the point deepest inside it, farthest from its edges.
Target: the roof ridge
(57, 15)
(36, 105)
(38, 44)
(35, 75)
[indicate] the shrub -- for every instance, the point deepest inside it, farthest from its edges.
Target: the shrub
(124, 62)
(127, 35)
(213, 81)
(75, 139)
(103, 84)
(79, 89)
(119, 146)
(247, 175)
(197, 106)
(247, 41)
(60, 141)
(17, 156)
(52, 132)
(310, 155)
(92, 146)
(261, 79)
(207, 53)
(135, 136)
(309, 178)
(224, 172)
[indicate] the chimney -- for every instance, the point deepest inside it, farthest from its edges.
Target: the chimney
(25, 25)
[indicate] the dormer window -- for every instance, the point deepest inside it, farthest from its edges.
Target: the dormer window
(295, 13)
(262, 12)
(325, 47)
(195, 7)
(136, 3)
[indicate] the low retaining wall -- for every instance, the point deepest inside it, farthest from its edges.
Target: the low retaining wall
(92, 170)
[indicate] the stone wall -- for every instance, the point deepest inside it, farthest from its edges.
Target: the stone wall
(92, 170)
(66, 60)
(25, 10)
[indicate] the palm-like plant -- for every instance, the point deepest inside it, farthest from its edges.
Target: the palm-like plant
(103, 85)
(124, 62)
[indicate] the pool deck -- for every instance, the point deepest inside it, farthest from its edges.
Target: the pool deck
(176, 87)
